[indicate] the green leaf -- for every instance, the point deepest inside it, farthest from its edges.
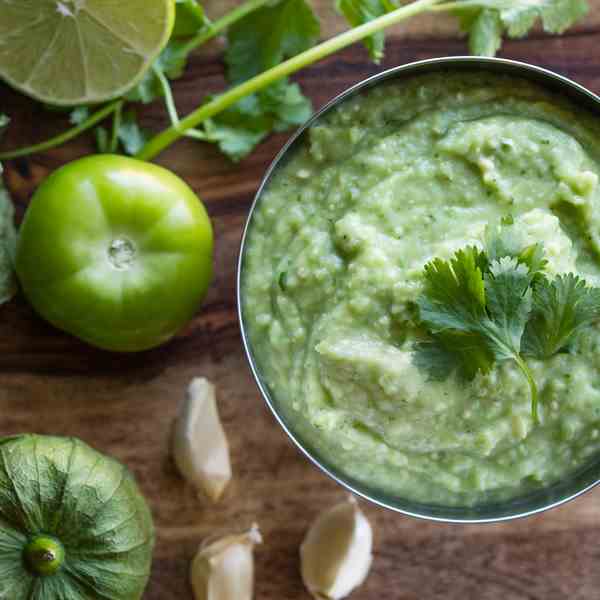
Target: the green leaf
(561, 14)
(561, 308)
(445, 353)
(266, 37)
(259, 41)
(171, 61)
(476, 310)
(102, 140)
(8, 242)
(508, 306)
(485, 36)
(358, 12)
(507, 240)
(491, 309)
(286, 105)
(189, 18)
(487, 20)
(454, 295)
(480, 308)
(238, 129)
(130, 134)
(79, 115)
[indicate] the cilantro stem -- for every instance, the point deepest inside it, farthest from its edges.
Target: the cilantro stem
(114, 140)
(167, 137)
(168, 95)
(171, 108)
(220, 25)
(460, 5)
(92, 120)
(532, 386)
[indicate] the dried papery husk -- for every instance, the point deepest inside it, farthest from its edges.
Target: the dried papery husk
(336, 553)
(223, 568)
(200, 446)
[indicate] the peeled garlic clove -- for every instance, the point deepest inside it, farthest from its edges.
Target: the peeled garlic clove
(336, 554)
(224, 568)
(200, 447)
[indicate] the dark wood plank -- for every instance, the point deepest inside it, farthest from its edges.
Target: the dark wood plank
(125, 405)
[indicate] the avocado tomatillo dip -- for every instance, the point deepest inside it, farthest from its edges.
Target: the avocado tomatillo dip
(333, 268)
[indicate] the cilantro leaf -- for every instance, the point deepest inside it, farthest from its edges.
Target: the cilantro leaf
(445, 353)
(487, 20)
(171, 61)
(287, 105)
(189, 18)
(238, 129)
(358, 12)
(452, 307)
(259, 41)
(485, 33)
(498, 305)
(79, 114)
(8, 242)
(508, 305)
(102, 138)
(492, 308)
(454, 295)
(269, 35)
(506, 239)
(561, 308)
(476, 309)
(130, 134)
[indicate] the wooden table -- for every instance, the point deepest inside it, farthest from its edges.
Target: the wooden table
(125, 405)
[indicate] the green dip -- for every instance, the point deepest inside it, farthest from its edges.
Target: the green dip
(333, 264)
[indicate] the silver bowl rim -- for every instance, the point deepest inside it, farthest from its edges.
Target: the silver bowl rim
(518, 67)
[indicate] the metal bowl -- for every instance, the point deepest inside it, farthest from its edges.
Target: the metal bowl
(527, 504)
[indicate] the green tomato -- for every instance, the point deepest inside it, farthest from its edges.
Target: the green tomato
(73, 523)
(115, 251)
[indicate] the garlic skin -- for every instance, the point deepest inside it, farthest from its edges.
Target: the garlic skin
(200, 448)
(224, 569)
(336, 554)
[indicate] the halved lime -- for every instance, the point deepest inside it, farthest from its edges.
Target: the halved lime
(68, 52)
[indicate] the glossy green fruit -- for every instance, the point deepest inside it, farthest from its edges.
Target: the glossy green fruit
(116, 251)
(73, 524)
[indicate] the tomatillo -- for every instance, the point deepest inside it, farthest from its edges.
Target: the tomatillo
(115, 251)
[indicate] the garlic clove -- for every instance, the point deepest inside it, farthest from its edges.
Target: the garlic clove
(200, 447)
(224, 568)
(336, 553)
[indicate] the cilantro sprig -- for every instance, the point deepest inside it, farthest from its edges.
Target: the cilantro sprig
(483, 307)
(267, 41)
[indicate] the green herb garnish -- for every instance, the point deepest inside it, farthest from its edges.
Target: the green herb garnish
(483, 307)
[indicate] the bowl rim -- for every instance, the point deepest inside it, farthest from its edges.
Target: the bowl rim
(544, 77)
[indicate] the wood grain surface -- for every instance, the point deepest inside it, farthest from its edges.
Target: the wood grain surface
(125, 405)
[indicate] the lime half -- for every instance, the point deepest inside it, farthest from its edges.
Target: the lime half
(68, 52)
